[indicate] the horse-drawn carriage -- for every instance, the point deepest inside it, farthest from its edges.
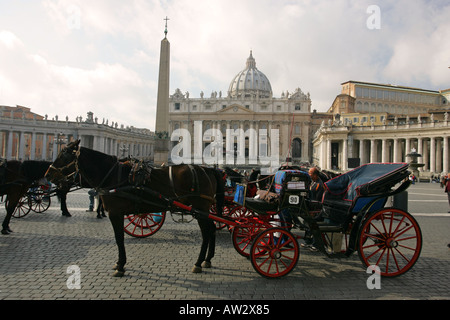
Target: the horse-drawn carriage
(352, 216)
(36, 199)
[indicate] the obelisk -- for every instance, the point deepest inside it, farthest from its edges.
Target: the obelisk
(161, 155)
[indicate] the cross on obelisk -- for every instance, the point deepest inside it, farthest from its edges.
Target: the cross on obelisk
(165, 31)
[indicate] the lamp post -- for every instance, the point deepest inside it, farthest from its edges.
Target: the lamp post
(59, 140)
(123, 150)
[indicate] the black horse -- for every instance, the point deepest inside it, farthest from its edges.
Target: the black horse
(16, 177)
(124, 190)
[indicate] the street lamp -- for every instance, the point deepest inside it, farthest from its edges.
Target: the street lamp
(60, 140)
(123, 150)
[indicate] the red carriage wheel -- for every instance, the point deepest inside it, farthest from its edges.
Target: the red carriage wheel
(243, 234)
(390, 239)
(144, 224)
(225, 212)
(274, 252)
(39, 200)
(23, 207)
(239, 212)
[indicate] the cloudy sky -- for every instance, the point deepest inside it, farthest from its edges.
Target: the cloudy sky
(69, 57)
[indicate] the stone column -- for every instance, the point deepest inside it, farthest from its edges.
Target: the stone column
(373, 151)
(432, 154)
(33, 146)
(22, 145)
(241, 152)
(445, 158)
(395, 151)
(438, 155)
(344, 154)
(407, 147)
(9, 146)
(384, 151)
(420, 151)
(362, 155)
(328, 166)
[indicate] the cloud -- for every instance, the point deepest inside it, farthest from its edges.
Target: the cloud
(420, 48)
(103, 56)
(111, 91)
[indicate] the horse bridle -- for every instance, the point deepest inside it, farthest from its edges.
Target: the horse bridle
(60, 176)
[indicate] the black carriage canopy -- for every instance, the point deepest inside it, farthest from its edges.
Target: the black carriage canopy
(368, 179)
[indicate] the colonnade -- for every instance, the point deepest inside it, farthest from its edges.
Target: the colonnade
(343, 147)
(32, 139)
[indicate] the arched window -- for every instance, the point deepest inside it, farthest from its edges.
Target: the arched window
(296, 148)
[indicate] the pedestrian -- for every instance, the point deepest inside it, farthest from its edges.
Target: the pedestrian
(446, 183)
(92, 193)
(316, 190)
(100, 208)
(447, 187)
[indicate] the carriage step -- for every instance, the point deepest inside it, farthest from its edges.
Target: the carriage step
(329, 228)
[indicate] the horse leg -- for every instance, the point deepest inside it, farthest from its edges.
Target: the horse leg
(117, 224)
(62, 196)
(5, 224)
(9, 212)
(207, 228)
(211, 247)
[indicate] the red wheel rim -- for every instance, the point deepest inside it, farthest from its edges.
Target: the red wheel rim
(40, 201)
(274, 253)
(243, 235)
(392, 240)
(225, 212)
(240, 212)
(23, 207)
(144, 224)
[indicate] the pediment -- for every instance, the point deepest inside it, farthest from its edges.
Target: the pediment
(235, 109)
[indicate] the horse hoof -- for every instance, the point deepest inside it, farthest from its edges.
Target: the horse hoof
(196, 269)
(206, 264)
(6, 230)
(118, 274)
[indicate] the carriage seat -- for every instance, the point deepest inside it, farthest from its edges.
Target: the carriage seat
(260, 206)
(334, 209)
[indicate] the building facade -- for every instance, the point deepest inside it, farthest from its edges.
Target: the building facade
(247, 114)
(384, 123)
(25, 135)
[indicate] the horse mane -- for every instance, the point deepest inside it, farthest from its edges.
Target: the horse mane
(34, 170)
(95, 155)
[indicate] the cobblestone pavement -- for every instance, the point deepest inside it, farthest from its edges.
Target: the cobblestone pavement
(35, 261)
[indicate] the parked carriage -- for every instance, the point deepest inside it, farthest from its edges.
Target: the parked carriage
(37, 199)
(352, 218)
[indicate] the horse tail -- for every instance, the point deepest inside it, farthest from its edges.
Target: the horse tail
(220, 191)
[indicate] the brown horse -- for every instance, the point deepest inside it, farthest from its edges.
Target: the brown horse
(116, 183)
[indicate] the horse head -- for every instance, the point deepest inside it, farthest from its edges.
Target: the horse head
(64, 166)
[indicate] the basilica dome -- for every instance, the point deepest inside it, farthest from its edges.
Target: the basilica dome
(250, 82)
